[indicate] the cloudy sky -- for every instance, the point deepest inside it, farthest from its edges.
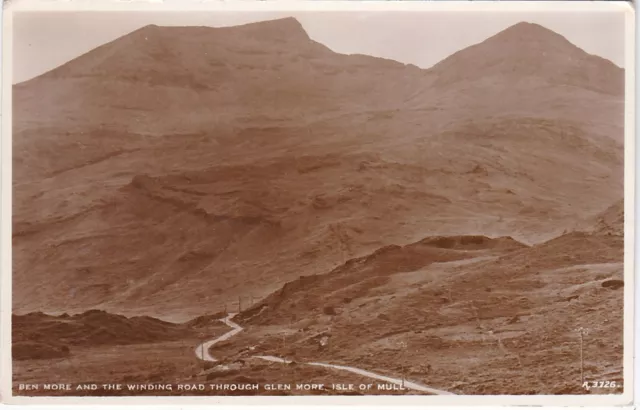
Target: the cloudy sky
(43, 41)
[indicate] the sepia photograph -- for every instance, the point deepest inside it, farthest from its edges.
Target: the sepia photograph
(347, 201)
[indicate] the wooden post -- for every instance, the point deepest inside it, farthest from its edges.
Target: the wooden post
(202, 354)
(581, 330)
(284, 345)
(404, 349)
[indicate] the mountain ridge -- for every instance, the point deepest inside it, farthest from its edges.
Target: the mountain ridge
(116, 191)
(289, 27)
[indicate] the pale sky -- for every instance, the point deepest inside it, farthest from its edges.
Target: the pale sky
(42, 42)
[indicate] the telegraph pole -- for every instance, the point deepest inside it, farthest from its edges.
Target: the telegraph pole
(403, 346)
(284, 345)
(202, 355)
(581, 330)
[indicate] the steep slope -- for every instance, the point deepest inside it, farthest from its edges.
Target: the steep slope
(528, 51)
(141, 238)
(532, 71)
(360, 278)
(611, 220)
(194, 78)
(175, 169)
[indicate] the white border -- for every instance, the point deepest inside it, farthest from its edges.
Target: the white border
(313, 5)
(288, 5)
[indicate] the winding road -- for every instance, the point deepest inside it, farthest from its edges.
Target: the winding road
(202, 352)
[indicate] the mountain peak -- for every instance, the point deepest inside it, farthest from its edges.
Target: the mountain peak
(147, 30)
(283, 28)
(525, 33)
(290, 23)
(529, 50)
(132, 55)
(526, 26)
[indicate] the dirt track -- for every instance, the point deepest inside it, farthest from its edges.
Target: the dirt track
(202, 352)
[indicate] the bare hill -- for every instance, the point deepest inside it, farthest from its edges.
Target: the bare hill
(177, 168)
(527, 52)
(40, 336)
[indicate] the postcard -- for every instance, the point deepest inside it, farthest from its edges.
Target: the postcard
(326, 202)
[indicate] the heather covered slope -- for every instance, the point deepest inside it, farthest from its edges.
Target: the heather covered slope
(41, 336)
(359, 278)
(252, 155)
(487, 323)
